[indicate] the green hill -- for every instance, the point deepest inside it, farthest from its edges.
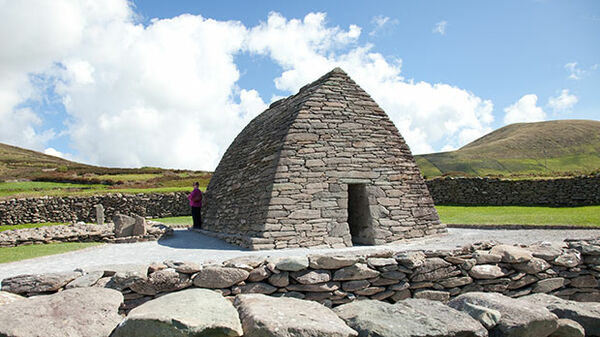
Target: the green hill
(26, 173)
(564, 147)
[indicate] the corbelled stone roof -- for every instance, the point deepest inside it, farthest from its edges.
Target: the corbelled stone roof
(283, 182)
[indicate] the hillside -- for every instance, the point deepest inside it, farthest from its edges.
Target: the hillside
(540, 149)
(29, 173)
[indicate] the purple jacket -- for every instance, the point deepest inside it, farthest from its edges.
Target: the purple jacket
(195, 198)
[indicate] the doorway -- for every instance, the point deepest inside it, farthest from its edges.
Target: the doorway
(359, 216)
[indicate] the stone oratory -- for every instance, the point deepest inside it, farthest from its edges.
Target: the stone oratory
(325, 167)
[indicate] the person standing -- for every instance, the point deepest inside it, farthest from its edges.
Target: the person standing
(195, 199)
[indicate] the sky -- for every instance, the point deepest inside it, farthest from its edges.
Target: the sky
(171, 83)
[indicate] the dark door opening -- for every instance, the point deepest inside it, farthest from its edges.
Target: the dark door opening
(359, 217)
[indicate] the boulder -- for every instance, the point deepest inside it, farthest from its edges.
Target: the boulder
(408, 318)
(191, 312)
(245, 262)
(586, 314)
(548, 285)
(124, 280)
(85, 312)
(568, 328)
(165, 280)
(123, 225)
(183, 267)
(280, 280)
(258, 274)
(38, 283)
(533, 266)
(358, 271)
(330, 262)
(219, 277)
(86, 280)
(285, 316)
(512, 254)
(139, 227)
(291, 263)
(486, 272)
(311, 276)
(6, 297)
(518, 318)
(486, 316)
(411, 259)
(570, 258)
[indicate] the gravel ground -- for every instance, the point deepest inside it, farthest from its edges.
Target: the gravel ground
(187, 245)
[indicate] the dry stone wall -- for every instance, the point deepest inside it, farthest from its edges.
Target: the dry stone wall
(73, 209)
(286, 179)
(570, 271)
(578, 191)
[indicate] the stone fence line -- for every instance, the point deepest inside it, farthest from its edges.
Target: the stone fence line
(83, 208)
(577, 191)
(569, 272)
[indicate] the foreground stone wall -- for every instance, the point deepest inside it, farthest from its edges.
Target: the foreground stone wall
(72, 209)
(569, 272)
(578, 191)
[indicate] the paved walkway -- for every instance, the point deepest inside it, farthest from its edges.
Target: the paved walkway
(187, 245)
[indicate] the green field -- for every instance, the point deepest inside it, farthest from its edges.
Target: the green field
(10, 254)
(178, 221)
(31, 225)
(588, 216)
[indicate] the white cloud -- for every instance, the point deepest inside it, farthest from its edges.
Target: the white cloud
(564, 102)
(424, 113)
(577, 73)
(440, 27)
(524, 110)
(381, 24)
(166, 94)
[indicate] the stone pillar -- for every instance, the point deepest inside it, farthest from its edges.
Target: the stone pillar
(99, 214)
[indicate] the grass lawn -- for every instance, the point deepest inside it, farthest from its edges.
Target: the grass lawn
(177, 221)
(520, 215)
(10, 254)
(31, 225)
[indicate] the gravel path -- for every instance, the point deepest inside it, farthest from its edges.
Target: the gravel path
(192, 246)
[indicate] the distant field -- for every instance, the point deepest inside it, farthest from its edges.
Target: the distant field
(10, 254)
(31, 225)
(178, 221)
(520, 215)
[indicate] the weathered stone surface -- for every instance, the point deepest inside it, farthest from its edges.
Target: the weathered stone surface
(139, 227)
(486, 271)
(434, 295)
(245, 262)
(358, 271)
(486, 257)
(330, 262)
(408, 318)
(377, 262)
(86, 280)
(548, 285)
(39, 283)
(268, 316)
(79, 312)
(311, 276)
(6, 297)
(292, 263)
(533, 266)
(411, 259)
(518, 318)
(320, 287)
(192, 312)
(124, 280)
(355, 285)
(301, 158)
(124, 225)
(488, 317)
(254, 288)
(280, 280)
(585, 281)
(456, 282)
(512, 254)
(185, 267)
(568, 259)
(219, 277)
(586, 314)
(165, 280)
(258, 274)
(568, 328)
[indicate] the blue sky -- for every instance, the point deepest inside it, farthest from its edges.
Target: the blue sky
(158, 83)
